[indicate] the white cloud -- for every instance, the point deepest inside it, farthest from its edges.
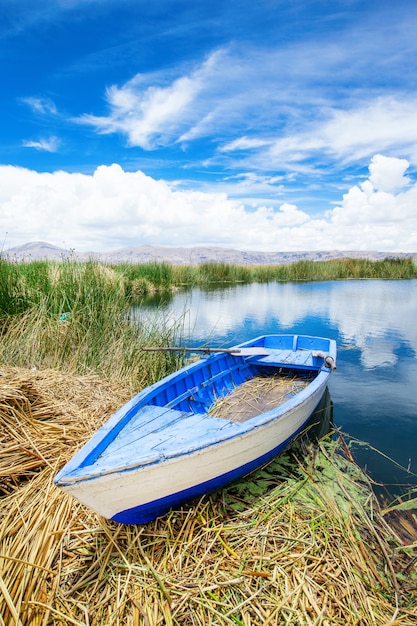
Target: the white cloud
(47, 145)
(41, 105)
(284, 107)
(381, 216)
(387, 173)
(150, 111)
(381, 124)
(113, 208)
(351, 134)
(244, 143)
(272, 101)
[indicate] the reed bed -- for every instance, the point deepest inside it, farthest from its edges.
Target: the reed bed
(70, 285)
(302, 541)
(257, 395)
(148, 278)
(99, 340)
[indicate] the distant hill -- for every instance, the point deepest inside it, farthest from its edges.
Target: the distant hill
(39, 250)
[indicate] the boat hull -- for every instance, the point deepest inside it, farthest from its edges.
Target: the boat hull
(139, 492)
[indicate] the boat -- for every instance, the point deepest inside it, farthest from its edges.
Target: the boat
(167, 446)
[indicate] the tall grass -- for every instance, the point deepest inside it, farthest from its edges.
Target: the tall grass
(70, 285)
(223, 273)
(339, 269)
(145, 278)
(148, 279)
(12, 300)
(75, 317)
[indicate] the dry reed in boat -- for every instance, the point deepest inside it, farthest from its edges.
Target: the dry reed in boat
(256, 395)
(312, 548)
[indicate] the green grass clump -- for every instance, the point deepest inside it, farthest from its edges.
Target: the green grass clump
(80, 323)
(339, 269)
(185, 275)
(12, 293)
(223, 273)
(158, 276)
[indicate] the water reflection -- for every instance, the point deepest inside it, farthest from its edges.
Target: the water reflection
(321, 422)
(373, 316)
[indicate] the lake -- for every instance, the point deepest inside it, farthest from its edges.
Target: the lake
(375, 325)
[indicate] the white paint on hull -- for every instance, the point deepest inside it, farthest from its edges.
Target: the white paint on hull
(117, 491)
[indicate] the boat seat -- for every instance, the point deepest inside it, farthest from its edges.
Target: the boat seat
(286, 358)
(198, 430)
(155, 436)
(204, 393)
(147, 420)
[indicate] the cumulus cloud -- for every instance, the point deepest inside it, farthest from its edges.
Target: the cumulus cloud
(387, 173)
(113, 208)
(380, 210)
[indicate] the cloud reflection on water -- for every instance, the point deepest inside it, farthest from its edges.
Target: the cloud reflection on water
(376, 316)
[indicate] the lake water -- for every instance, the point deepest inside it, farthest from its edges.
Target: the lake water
(375, 325)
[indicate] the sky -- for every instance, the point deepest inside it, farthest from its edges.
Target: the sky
(270, 125)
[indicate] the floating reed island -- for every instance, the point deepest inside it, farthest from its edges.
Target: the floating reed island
(301, 541)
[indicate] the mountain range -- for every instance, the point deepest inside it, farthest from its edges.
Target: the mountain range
(39, 250)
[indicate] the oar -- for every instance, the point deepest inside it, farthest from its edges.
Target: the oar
(235, 351)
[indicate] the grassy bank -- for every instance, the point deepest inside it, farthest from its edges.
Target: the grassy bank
(302, 541)
(68, 284)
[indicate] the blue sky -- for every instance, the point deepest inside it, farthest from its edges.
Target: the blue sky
(264, 125)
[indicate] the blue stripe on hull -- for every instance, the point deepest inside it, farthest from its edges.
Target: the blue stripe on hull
(149, 511)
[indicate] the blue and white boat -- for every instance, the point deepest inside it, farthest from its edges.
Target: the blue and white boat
(165, 447)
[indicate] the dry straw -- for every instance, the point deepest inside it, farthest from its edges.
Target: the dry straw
(308, 546)
(255, 396)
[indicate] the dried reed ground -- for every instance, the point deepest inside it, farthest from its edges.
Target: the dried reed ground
(311, 548)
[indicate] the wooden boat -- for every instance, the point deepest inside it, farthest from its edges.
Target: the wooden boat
(167, 446)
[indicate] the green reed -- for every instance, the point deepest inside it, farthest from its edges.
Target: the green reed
(12, 298)
(75, 317)
(338, 269)
(223, 273)
(145, 278)
(70, 285)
